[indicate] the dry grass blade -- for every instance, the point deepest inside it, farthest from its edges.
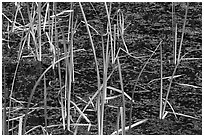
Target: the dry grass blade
(90, 100)
(191, 58)
(96, 62)
(173, 31)
(127, 54)
(189, 85)
(119, 91)
(61, 13)
(171, 109)
(97, 33)
(121, 29)
(137, 80)
(168, 90)
(164, 114)
(132, 126)
(80, 112)
(90, 37)
(169, 77)
(113, 97)
(184, 115)
(8, 35)
(7, 18)
(183, 31)
(35, 127)
(46, 16)
(175, 46)
(114, 42)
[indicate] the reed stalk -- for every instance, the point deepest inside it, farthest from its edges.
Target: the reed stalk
(118, 120)
(69, 67)
(173, 32)
(97, 69)
(123, 99)
(175, 45)
(92, 44)
(58, 57)
(39, 31)
(20, 125)
(63, 105)
(45, 103)
(122, 114)
(4, 123)
(161, 84)
(182, 35)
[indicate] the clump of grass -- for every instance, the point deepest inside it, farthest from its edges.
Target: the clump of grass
(177, 64)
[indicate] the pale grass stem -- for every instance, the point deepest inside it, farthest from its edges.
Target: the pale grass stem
(45, 103)
(183, 31)
(20, 125)
(118, 121)
(69, 73)
(93, 48)
(122, 114)
(39, 31)
(4, 123)
(175, 46)
(97, 69)
(63, 104)
(46, 16)
(161, 83)
(123, 99)
(173, 32)
(132, 126)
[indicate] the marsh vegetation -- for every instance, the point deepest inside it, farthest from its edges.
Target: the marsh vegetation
(101, 68)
